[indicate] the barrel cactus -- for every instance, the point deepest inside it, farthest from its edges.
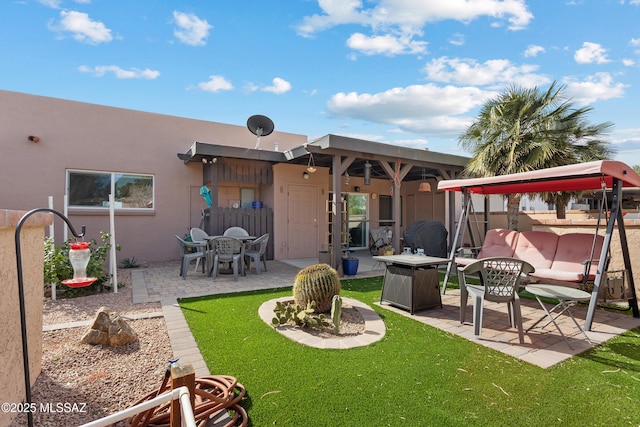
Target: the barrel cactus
(317, 283)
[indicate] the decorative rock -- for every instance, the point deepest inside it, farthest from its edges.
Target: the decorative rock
(109, 328)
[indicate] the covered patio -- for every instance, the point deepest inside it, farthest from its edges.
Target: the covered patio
(304, 190)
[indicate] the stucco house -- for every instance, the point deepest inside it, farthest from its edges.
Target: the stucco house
(157, 165)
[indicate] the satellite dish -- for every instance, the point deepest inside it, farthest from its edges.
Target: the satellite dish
(260, 126)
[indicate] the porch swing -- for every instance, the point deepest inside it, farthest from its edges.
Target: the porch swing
(598, 175)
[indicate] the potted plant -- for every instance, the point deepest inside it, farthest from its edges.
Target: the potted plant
(349, 264)
(388, 249)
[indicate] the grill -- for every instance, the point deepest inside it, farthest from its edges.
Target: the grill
(428, 235)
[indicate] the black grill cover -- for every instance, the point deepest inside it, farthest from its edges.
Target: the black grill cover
(428, 235)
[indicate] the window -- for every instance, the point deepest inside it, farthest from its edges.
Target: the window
(385, 211)
(87, 189)
(247, 196)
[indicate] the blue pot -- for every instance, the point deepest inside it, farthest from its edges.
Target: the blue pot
(350, 266)
(257, 205)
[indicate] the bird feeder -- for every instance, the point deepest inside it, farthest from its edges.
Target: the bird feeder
(79, 255)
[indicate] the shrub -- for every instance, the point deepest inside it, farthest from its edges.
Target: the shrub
(129, 263)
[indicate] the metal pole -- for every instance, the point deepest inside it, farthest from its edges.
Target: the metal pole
(23, 315)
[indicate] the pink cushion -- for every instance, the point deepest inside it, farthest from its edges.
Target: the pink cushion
(537, 248)
(499, 243)
(559, 275)
(573, 249)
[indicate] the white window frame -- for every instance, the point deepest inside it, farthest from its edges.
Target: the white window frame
(114, 176)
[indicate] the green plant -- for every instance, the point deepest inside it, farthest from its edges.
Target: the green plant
(57, 266)
(336, 313)
(304, 317)
(318, 283)
(129, 263)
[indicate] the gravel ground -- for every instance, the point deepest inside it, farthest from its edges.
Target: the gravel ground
(80, 382)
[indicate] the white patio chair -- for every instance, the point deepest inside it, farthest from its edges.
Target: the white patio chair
(257, 253)
(235, 232)
(201, 236)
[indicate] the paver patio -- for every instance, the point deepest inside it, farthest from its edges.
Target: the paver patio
(542, 347)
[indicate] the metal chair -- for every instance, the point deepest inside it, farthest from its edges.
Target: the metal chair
(500, 278)
(228, 250)
(189, 252)
(235, 232)
(375, 244)
(257, 254)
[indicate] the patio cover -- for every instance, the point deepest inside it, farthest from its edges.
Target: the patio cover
(578, 177)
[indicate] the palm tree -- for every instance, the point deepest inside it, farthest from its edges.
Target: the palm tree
(525, 129)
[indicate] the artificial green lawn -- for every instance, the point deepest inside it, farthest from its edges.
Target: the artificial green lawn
(416, 376)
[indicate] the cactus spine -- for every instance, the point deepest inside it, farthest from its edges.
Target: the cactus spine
(336, 313)
(317, 283)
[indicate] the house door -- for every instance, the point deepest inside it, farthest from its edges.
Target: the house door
(302, 221)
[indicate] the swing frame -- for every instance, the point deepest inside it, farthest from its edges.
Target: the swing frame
(603, 174)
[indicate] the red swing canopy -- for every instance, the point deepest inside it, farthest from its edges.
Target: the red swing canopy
(577, 177)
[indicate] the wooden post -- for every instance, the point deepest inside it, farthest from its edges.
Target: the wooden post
(182, 375)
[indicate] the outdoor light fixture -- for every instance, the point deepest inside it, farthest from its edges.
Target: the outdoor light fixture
(424, 186)
(346, 178)
(305, 175)
(311, 165)
(367, 173)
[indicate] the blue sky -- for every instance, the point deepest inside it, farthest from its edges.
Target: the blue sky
(406, 72)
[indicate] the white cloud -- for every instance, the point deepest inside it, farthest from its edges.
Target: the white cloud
(494, 72)
(533, 50)
(590, 53)
(386, 44)
(215, 84)
(628, 62)
(83, 28)
(417, 108)
(595, 88)
(120, 73)
(413, 14)
(457, 39)
(278, 86)
(54, 4)
(191, 29)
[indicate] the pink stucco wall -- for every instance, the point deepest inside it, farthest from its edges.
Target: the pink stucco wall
(76, 135)
(12, 387)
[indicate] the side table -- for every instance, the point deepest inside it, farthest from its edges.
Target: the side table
(567, 297)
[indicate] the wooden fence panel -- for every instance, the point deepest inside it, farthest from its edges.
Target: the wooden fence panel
(256, 221)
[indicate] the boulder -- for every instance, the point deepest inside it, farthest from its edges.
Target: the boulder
(109, 328)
